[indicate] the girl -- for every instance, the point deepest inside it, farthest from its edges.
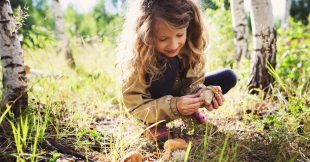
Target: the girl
(163, 63)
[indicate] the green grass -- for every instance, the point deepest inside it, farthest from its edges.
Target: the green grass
(82, 110)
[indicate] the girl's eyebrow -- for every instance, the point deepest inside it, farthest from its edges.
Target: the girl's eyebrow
(181, 31)
(163, 37)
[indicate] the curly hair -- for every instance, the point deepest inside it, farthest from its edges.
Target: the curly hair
(137, 42)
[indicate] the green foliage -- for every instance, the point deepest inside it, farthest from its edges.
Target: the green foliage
(209, 4)
(188, 149)
(72, 19)
(28, 133)
(222, 20)
(215, 4)
(227, 4)
(112, 29)
(223, 148)
(27, 7)
(37, 25)
(221, 36)
(108, 26)
(95, 23)
(294, 53)
(54, 157)
(88, 26)
(38, 37)
(3, 114)
(79, 24)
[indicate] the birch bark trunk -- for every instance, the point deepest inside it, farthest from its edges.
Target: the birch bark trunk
(286, 15)
(14, 76)
(239, 26)
(264, 42)
(61, 36)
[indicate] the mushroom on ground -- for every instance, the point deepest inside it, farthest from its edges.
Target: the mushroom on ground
(172, 145)
(133, 156)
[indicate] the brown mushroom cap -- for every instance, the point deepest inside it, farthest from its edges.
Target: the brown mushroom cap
(133, 156)
(174, 144)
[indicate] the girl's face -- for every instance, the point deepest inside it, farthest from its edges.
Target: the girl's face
(168, 40)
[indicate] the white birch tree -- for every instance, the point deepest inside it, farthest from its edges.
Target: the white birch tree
(286, 14)
(14, 76)
(61, 36)
(239, 27)
(264, 42)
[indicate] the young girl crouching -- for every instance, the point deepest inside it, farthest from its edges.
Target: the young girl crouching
(163, 64)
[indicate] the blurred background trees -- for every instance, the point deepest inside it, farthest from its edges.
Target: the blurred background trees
(38, 26)
(104, 22)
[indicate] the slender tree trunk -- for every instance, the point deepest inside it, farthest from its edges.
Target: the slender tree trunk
(14, 76)
(264, 41)
(61, 36)
(239, 26)
(286, 15)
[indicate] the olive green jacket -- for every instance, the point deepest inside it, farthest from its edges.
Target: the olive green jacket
(138, 101)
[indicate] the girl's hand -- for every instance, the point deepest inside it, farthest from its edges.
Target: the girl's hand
(217, 101)
(189, 104)
(218, 98)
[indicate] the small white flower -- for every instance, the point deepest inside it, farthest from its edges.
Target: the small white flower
(178, 155)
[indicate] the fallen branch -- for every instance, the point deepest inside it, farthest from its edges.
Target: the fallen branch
(66, 150)
(30, 71)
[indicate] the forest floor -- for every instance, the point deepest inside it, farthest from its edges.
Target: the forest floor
(77, 115)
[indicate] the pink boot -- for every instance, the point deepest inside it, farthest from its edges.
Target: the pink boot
(199, 117)
(159, 132)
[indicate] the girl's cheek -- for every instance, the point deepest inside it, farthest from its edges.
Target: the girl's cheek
(160, 46)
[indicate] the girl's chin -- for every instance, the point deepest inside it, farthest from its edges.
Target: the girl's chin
(171, 54)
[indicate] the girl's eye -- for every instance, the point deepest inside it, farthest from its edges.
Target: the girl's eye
(180, 35)
(162, 39)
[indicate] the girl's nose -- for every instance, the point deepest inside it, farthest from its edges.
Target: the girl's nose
(174, 44)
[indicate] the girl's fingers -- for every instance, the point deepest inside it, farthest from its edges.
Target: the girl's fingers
(219, 88)
(194, 106)
(190, 111)
(198, 93)
(190, 108)
(215, 103)
(209, 107)
(185, 113)
(222, 96)
(194, 100)
(192, 95)
(219, 99)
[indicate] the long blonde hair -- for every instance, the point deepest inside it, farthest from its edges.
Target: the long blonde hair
(136, 49)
